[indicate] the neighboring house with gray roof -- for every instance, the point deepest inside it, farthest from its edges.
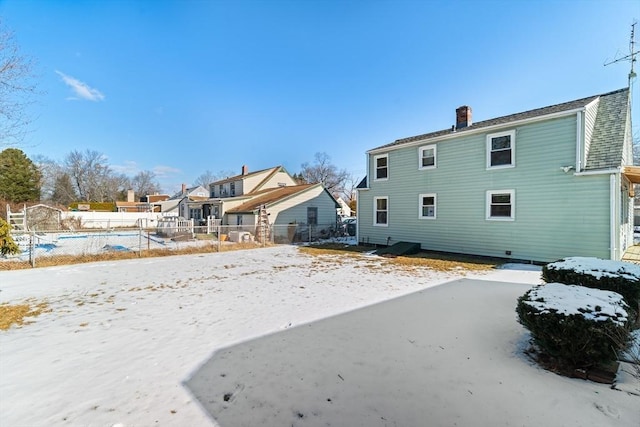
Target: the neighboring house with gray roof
(241, 200)
(538, 185)
(307, 204)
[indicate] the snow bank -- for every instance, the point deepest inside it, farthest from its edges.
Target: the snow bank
(598, 267)
(593, 304)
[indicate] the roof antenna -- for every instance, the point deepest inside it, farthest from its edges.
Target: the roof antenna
(632, 54)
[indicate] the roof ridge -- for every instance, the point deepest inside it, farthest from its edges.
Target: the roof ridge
(535, 112)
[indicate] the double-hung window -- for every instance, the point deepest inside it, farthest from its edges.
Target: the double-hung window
(427, 157)
(427, 206)
(501, 150)
(382, 167)
(501, 205)
(381, 211)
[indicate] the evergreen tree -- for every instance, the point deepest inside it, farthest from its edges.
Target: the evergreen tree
(7, 244)
(19, 177)
(63, 191)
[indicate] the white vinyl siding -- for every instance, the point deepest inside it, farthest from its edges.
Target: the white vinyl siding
(381, 211)
(501, 205)
(427, 157)
(381, 165)
(501, 150)
(295, 209)
(427, 206)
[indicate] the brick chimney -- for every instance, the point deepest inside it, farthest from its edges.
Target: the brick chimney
(463, 117)
(245, 170)
(184, 188)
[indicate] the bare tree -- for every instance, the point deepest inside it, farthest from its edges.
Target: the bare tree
(322, 170)
(49, 172)
(208, 177)
(145, 183)
(17, 87)
(63, 190)
(349, 191)
(91, 176)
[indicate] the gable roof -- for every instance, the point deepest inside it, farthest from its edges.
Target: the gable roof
(271, 196)
(248, 175)
(607, 141)
(531, 114)
(187, 192)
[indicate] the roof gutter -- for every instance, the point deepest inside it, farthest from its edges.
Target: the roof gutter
(599, 172)
(478, 130)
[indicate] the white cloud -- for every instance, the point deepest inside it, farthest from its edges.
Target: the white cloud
(165, 171)
(81, 89)
(129, 167)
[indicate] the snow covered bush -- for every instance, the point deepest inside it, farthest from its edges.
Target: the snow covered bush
(616, 276)
(578, 326)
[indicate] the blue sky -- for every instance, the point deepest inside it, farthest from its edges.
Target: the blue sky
(180, 87)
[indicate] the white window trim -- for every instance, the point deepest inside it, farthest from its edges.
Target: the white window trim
(512, 194)
(511, 133)
(435, 156)
(375, 211)
(435, 206)
(375, 167)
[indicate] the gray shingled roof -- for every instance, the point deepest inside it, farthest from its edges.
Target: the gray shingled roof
(538, 112)
(607, 141)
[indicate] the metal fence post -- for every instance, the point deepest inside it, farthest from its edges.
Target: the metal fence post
(32, 249)
(140, 240)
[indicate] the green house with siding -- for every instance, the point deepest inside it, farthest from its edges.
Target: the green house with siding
(537, 185)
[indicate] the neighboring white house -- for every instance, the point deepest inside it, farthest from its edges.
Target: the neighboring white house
(178, 204)
(232, 192)
(344, 210)
(309, 204)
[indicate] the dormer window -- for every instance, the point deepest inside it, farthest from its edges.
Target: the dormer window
(232, 188)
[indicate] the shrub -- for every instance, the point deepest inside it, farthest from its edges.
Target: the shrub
(578, 326)
(95, 206)
(7, 244)
(616, 276)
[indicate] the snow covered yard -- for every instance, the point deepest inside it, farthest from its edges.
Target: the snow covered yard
(146, 342)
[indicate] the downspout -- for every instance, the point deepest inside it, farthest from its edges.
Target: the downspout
(357, 212)
(579, 141)
(613, 250)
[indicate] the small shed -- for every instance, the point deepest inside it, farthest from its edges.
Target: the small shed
(42, 217)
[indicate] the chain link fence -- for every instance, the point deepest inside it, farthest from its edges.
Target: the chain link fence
(35, 246)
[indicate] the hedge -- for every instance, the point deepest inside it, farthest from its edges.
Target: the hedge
(578, 326)
(616, 276)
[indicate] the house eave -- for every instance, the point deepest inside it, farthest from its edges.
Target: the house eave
(482, 129)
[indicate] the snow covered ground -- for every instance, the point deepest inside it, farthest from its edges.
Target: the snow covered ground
(166, 341)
